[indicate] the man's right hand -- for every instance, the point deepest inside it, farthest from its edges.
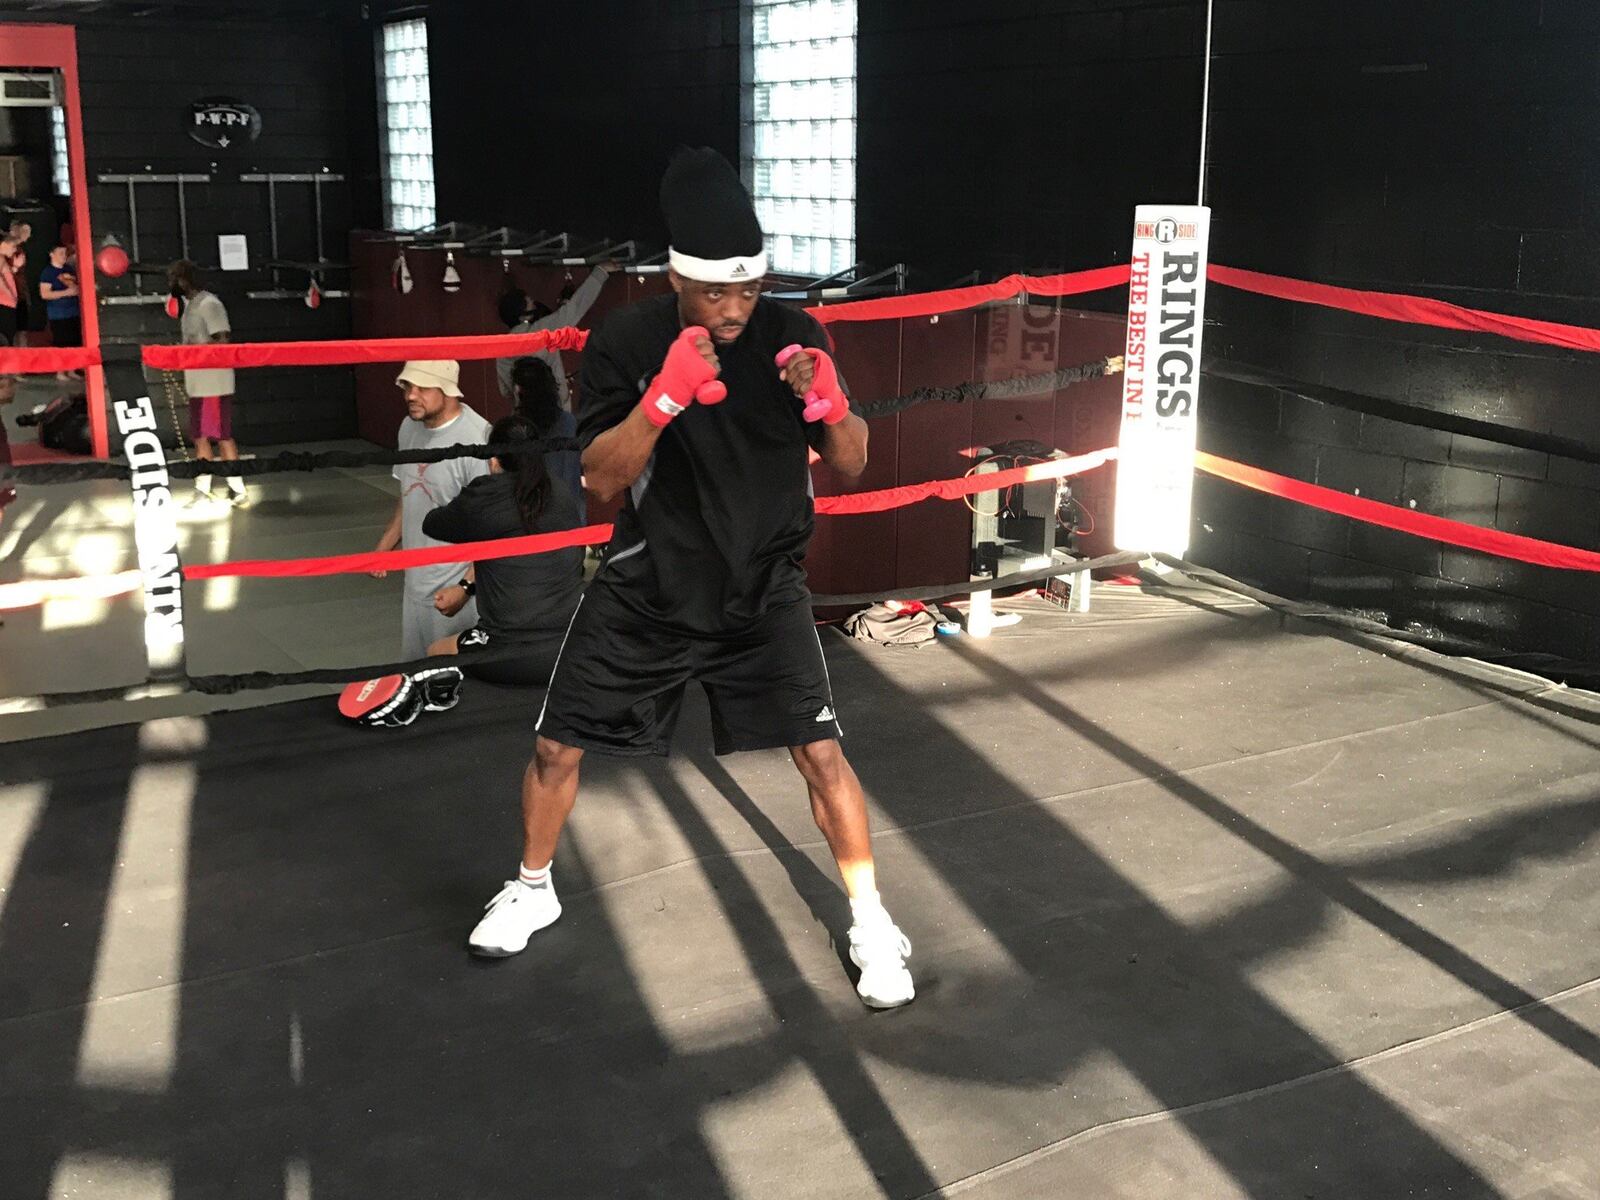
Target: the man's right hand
(688, 374)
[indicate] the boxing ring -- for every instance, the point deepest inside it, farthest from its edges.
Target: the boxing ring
(1210, 894)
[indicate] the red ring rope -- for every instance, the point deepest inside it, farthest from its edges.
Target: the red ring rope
(1438, 529)
(928, 304)
(1392, 306)
(367, 350)
(590, 535)
(967, 485)
(39, 360)
(1412, 310)
(1441, 529)
(394, 560)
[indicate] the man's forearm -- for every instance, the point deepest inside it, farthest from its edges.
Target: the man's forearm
(391, 533)
(844, 446)
(618, 456)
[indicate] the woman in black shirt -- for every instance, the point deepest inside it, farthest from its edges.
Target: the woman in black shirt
(534, 386)
(531, 597)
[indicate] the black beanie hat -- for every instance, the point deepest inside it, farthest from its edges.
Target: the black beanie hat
(711, 223)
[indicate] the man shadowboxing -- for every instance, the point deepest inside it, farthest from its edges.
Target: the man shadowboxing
(702, 406)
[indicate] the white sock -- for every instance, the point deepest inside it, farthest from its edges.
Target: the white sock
(235, 483)
(202, 484)
(534, 879)
(867, 908)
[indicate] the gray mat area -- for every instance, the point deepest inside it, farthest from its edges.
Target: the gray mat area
(1204, 904)
(66, 531)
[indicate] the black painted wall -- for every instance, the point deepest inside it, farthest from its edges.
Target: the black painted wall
(1447, 150)
(137, 79)
(1451, 149)
(991, 137)
(1011, 136)
(563, 117)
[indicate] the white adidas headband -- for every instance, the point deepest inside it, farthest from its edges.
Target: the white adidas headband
(719, 270)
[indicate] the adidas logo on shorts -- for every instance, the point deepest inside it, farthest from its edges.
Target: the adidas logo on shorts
(826, 714)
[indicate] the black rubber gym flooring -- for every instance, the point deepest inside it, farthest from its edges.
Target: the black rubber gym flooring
(1203, 904)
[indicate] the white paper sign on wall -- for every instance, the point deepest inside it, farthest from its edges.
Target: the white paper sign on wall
(233, 251)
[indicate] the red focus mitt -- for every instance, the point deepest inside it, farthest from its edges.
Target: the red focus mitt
(684, 377)
(384, 703)
(825, 401)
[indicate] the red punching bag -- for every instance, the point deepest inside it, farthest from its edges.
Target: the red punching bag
(112, 261)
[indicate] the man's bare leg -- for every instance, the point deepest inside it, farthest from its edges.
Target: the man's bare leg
(528, 903)
(549, 790)
(839, 807)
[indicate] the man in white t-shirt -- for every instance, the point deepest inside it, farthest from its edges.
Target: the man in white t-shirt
(435, 417)
(210, 389)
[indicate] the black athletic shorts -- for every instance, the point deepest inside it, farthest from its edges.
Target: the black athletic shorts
(525, 670)
(619, 681)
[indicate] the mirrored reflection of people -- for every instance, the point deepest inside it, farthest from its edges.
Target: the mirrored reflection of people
(702, 406)
(529, 598)
(210, 389)
(11, 283)
(10, 314)
(435, 418)
(531, 316)
(58, 288)
(21, 233)
(13, 318)
(8, 383)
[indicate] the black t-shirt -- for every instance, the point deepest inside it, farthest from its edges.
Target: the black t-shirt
(713, 533)
(530, 593)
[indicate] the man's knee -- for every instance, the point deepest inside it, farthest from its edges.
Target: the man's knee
(552, 760)
(821, 763)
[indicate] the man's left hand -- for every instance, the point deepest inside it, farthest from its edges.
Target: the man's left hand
(798, 373)
(451, 600)
(815, 380)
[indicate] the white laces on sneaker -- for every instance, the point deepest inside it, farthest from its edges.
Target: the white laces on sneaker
(506, 895)
(880, 938)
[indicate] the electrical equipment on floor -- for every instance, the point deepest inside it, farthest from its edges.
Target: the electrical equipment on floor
(1022, 527)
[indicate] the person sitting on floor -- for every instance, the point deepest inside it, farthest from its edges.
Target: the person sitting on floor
(527, 598)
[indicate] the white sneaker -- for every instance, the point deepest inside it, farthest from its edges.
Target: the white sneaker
(240, 499)
(515, 915)
(879, 948)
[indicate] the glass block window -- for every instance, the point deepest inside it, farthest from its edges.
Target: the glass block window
(799, 130)
(58, 152)
(406, 117)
